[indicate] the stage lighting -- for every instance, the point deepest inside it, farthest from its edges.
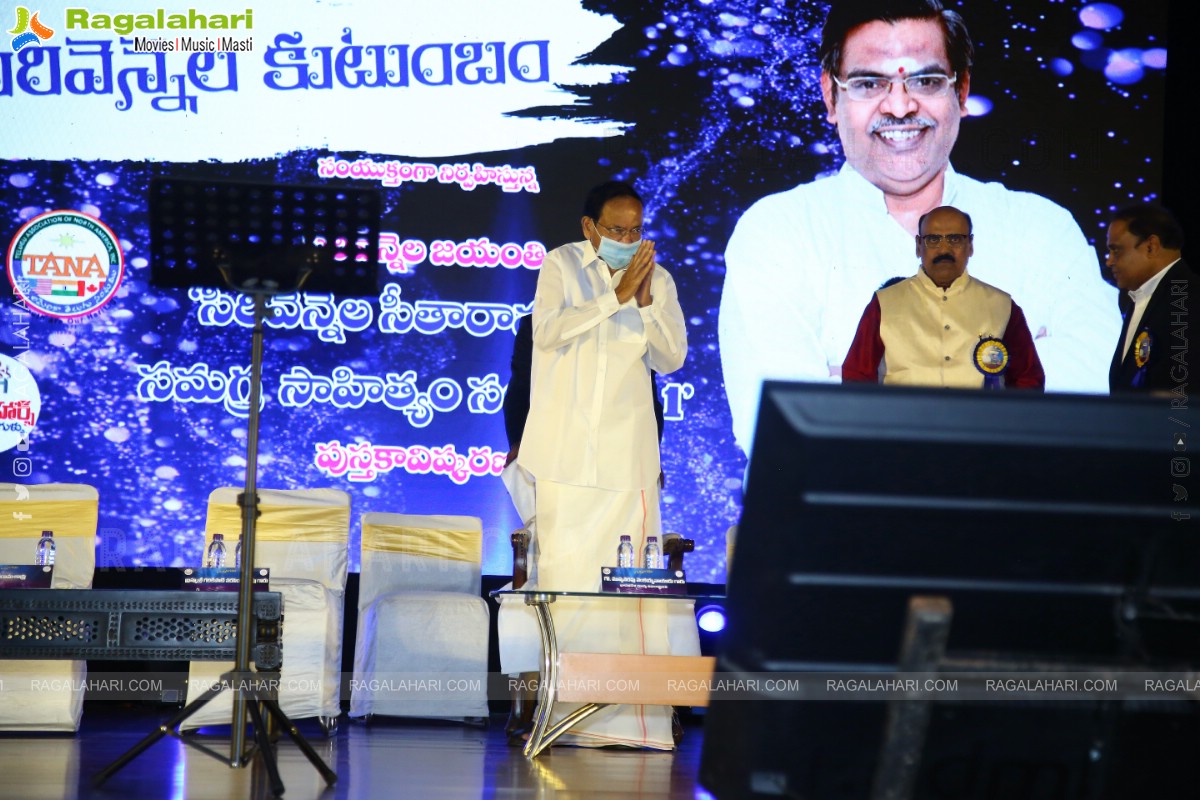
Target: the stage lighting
(711, 619)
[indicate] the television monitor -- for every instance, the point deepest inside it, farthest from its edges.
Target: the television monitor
(1050, 522)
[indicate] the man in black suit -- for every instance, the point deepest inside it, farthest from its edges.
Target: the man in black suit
(516, 399)
(1160, 295)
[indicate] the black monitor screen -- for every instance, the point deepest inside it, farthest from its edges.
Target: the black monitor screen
(1059, 529)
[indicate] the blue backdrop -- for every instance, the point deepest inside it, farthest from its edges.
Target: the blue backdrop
(482, 144)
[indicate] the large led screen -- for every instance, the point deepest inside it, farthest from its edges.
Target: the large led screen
(482, 125)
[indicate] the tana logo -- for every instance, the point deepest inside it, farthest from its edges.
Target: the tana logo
(65, 264)
(29, 29)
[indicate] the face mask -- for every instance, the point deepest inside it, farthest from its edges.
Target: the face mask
(617, 254)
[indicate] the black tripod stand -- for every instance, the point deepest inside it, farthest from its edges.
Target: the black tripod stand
(261, 241)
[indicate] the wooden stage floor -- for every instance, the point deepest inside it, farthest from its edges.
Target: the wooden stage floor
(390, 758)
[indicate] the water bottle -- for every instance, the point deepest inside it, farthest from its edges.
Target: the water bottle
(237, 553)
(45, 550)
(216, 552)
(652, 556)
(625, 552)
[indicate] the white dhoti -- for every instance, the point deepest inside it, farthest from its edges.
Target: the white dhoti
(578, 530)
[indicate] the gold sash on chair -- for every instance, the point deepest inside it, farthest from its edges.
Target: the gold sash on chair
(26, 518)
(281, 523)
(455, 545)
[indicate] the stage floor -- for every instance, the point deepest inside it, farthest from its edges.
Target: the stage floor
(390, 758)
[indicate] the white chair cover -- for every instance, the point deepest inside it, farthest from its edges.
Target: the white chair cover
(302, 538)
(422, 641)
(47, 695)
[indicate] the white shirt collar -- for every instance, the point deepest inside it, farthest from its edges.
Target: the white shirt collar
(1144, 291)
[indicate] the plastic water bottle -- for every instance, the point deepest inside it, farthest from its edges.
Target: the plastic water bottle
(652, 556)
(625, 552)
(237, 553)
(45, 550)
(216, 552)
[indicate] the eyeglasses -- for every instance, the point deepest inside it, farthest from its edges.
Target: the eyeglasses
(621, 233)
(873, 87)
(952, 239)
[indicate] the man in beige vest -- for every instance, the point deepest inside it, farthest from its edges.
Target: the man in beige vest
(942, 327)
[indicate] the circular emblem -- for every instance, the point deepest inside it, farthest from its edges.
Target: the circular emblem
(991, 356)
(20, 403)
(1141, 348)
(65, 264)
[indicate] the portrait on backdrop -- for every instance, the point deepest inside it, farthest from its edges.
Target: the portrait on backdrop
(895, 78)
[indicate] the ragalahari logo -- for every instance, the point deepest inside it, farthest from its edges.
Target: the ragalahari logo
(29, 29)
(65, 264)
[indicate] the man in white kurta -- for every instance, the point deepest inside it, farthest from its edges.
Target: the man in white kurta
(802, 263)
(600, 325)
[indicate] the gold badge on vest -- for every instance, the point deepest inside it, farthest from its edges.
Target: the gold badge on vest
(1141, 354)
(991, 358)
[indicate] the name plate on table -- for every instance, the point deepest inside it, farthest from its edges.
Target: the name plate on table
(221, 579)
(25, 576)
(639, 580)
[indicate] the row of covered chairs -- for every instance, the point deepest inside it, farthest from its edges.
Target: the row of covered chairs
(422, 638)
(42, 695)
(420, 614)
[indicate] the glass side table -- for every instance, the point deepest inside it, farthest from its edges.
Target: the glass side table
(593, 679)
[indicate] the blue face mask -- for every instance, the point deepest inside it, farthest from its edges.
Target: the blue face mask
(617, 254)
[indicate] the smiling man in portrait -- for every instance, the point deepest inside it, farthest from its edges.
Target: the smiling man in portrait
(895, 78)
